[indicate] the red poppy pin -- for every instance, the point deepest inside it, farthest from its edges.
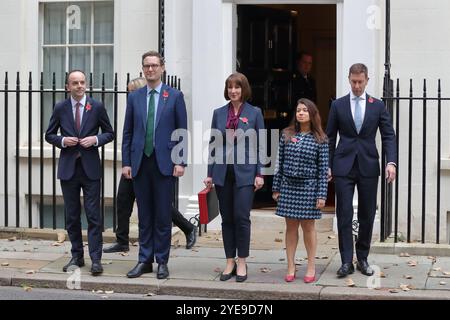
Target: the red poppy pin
(370, 100)
(88, 107)
(244, 120)
(165, 94)
(294, 139)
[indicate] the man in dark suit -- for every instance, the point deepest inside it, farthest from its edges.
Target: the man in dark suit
(304, 85)
(79, 119)
(153, 113)
(355, 162)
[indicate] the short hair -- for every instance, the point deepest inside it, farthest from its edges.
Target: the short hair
(303, 53)
(137, 83)
(240, 80)
(73, 71)
(358, 68)
(153, 54)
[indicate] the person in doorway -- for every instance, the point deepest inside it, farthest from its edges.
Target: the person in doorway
(78, 119)
(153, 113)
(236, 174)
(357, 117)
(300, 183)
(125, 202)
(304, 85)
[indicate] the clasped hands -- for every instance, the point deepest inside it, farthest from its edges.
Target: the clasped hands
(85, 142)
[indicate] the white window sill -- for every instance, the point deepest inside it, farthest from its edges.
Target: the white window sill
(36, 153)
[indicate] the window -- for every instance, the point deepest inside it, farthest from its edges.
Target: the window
(78, 35)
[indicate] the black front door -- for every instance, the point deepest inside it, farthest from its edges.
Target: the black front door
(265, 54)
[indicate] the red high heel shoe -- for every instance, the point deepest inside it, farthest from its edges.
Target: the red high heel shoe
(289, 277)
(309, 279)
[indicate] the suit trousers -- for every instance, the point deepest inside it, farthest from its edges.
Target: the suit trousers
(367, 201)
(235, 204)
(154, 193)
(91, 194)
(125, 203)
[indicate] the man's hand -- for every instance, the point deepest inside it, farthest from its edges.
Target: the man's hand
(88, 141)
(275, 196)
(391, 173)
(70, 141)
(320, 203)
(178, 171)
(208, 182)
(126, 172)
(259, 182)
(330, 175)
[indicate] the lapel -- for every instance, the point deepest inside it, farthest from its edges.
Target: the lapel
(86, 114)
(244, 114)
(368, 109)
(161, 103)
(348, 112)
(69, 115)
(142, 98)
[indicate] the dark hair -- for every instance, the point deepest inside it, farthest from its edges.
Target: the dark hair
(314, 118)
(358, 68)
(241, 81)
(153, 54)
(303, 53)
(73, 71)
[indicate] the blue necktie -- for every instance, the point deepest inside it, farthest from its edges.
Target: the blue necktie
(358, 115)
(148, 148)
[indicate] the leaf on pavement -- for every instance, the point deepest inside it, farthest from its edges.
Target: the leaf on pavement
(56, 244)
(150, 294)
(324, 257)
(217, 269)
(331, 237)
(106, 262)
(404, 254)
(407, 276)
(442, 283)
(12, 239)
(349, 282)
(393, 291)
(61, 237)
(447, 273)
(281, 259)
(412, 263)
(278, 240)
(27, 288)
(124, 254)
(135, 244)
(30, 272)
(437, 269)
(382, 274)
(5, 264)
(265, 270)
(99, 292)
(109, 292)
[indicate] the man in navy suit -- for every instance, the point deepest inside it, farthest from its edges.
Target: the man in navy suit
(79, 119)
(355, 162)
(153, 113)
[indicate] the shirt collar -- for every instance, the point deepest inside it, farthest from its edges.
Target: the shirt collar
(353, 97)
(157, 89)
(82, 101)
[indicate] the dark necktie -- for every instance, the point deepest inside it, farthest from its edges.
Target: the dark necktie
(77, 116)
(148, 148)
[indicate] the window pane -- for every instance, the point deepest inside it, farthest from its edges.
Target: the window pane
(104, 22)
(55, 23)
(79, 23)
(103, 63)
(80, 58)
(54, 61)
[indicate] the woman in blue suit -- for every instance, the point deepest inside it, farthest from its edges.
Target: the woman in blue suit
(300, 182)
(234, 168)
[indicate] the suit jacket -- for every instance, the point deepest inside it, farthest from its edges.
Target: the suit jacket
(171, 115)
(302, 88)
(244, 148)
(362, 145)
(62, 119)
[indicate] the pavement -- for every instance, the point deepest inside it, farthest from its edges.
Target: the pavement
(403, 271)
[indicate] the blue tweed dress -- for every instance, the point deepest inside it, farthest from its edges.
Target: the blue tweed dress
(301, 176)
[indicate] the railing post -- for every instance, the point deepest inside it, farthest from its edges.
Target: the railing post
(5, 173)
(17, 150)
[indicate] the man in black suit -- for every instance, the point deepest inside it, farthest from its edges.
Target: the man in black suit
(304, 86)
(355, 162)
(79, 119)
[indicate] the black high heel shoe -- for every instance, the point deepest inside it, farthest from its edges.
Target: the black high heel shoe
(228, 276)
(242, 278)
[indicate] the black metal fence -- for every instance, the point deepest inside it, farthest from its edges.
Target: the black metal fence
(417, 121)
(15, 115)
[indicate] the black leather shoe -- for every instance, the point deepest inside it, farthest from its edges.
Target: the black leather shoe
(163, 271)
(74, 263)
(345, 270)
(96, 268)
(242, 278)
(117, 247)
(140, 269)
(364, 267)
(228, 276)
(191, 238)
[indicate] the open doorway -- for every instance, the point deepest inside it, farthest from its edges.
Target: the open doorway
(269, 38)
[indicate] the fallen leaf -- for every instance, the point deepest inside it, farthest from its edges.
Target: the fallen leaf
(281, 232)
(382, 275)
(412, 263)
(61, 237)
(26, 243)
(331, 237)
(124, 254)
(385, 268)
(194, 250)
(335, 248)
(135, 244)
(150, 294)
(265, 270)
(404, 287)
(27, 289)
(5, 264)
(56, 244)
(393, 291)
(407, 276)
(442, 283)
(106, 262)
(431, 257)
(447, 273)
(404, 254)
(278, 240)
(281, 259)
(324, 257)
(30, 272)
(437, 269)
(99, 291)
(109, 292)
(12, 239)
(217, 269)
(349, 282)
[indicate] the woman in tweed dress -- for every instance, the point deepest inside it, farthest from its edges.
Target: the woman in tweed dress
(300, 182)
